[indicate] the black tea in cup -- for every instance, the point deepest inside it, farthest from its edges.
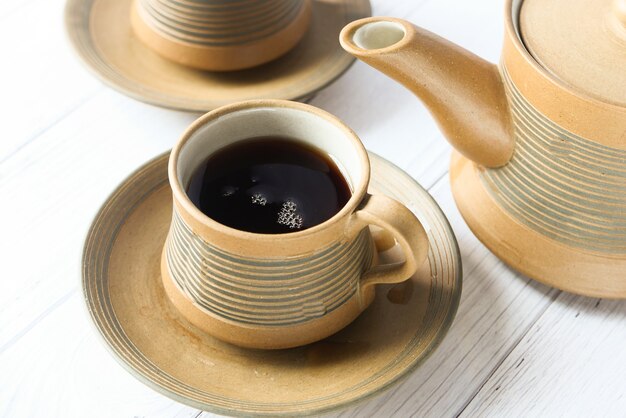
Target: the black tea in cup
(269, 185)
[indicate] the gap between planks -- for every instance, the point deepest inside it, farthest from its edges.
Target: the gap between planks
(6, 14)
(553, 295)
(35, 136)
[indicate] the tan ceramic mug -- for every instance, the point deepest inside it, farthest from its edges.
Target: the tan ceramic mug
(218, 35)
(280, 290)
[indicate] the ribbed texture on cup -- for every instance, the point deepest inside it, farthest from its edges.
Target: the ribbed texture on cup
(219, 22)
(561, 185)
(272, 291)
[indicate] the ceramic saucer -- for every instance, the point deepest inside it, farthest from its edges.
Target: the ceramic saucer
(101, 34)
(125, 298)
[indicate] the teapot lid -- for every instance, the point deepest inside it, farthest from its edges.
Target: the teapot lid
(581, 42)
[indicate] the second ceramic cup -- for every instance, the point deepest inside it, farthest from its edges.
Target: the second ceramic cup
(280, 290)
(219, 35)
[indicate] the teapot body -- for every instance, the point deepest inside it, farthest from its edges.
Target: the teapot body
(539, 171)
(557, 211)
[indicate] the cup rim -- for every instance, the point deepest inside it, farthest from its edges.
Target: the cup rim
(180, 196)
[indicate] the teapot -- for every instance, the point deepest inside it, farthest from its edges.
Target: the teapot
(539, 168)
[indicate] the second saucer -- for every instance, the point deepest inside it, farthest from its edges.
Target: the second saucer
(101, 33)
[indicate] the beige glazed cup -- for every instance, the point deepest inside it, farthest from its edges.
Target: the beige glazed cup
(218, 35)
(280, 290)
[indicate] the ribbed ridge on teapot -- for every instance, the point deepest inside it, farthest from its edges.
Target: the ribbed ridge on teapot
(265, 291)
(219, 22)
(561, 185)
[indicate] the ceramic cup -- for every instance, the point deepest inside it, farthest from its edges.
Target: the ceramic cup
(281, 290)
(218, 35)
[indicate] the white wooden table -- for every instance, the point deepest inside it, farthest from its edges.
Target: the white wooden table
(517, 348)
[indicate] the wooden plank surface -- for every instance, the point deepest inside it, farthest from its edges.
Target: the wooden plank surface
(61, 369)
(40, 79)
(572, 362)
(516, 348)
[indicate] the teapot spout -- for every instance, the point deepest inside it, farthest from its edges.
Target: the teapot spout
(464, 92)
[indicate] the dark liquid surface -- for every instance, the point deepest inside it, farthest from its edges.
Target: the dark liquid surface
(269, 185)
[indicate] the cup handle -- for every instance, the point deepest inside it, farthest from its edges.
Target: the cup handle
(408, 231)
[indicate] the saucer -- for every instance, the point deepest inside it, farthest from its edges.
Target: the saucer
(100, 32)
(125, 298)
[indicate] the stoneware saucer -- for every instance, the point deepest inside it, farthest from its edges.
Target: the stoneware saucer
(101, 33)
(126, 301)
